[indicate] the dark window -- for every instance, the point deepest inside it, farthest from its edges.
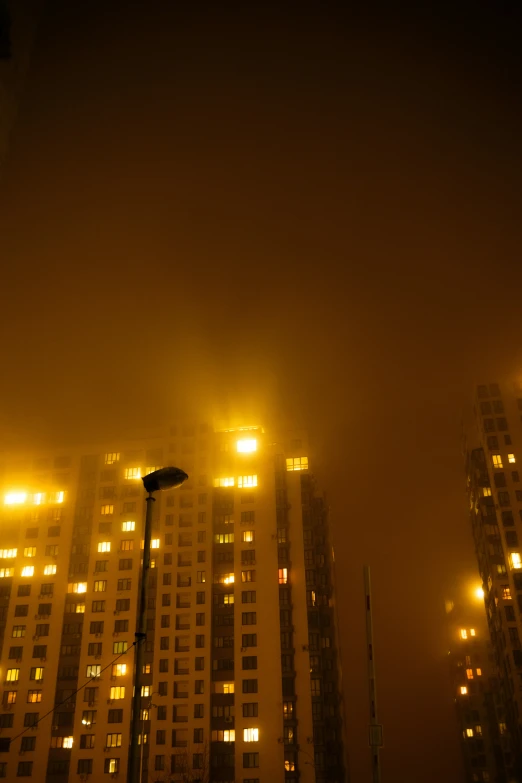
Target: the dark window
(511, 538)
(249, 686)
(250, 709)
(25, 769)
(507, 518)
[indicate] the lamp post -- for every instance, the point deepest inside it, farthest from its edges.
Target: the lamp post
(165, 478)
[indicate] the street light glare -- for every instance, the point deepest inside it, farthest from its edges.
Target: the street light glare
(479, 593)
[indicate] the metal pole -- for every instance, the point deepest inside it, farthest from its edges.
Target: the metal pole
(134, 764)
(375, 729)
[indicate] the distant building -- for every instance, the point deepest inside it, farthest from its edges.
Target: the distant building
(484, 737)
(494, 456)
(242, 659)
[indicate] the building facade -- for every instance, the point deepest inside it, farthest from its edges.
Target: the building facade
(494, 454)
(484, 738)
(242, 676)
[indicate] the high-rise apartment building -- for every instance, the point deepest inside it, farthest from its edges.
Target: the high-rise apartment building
(242, 678)
(484, 737)
(494, 457)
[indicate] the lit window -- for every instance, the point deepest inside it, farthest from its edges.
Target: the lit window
(113, 741)
(472, 632)
(132, 473)
(119, 669)
(247, 445)
(94, 670)
(502, 727)
(30, 551)
(463, 690)
(506, 592)
(34, 697)
(107, 509)
(469, 674)
(67, 742)
(228, 579)
(104, 546)
(250, 735)
(155, 543)
(11, 697)
(12, 675)
(39, 498)
(283, 576)
(145, 690)
(247, 481)
(152, 469)
(36, 673)
(511, 458)
(28, 571)
(297, 463)
(223, 538)
(289, 765)
(497, 460)
(49, 570)
(486, 491)
(77, 587)
(6, 572)
(469, 732)
(118, 692)
(112, 457)
(8, 553)
(228, 687)
(80, 608)
(515, 560)
(128, 527)
(112, 766)
(479, 672)
(56, 497)
(248, 536)
(14, 498)
(224, 482)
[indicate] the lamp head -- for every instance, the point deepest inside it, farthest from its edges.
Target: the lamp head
(164, 478)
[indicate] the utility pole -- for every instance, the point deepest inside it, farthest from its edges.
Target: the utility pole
(375, 728)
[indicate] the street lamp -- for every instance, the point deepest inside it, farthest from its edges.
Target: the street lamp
(165, 478)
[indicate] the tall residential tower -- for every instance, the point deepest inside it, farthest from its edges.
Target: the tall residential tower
(494, 456)
(242, 663)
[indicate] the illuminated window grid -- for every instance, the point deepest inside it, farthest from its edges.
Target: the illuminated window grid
(297, 463)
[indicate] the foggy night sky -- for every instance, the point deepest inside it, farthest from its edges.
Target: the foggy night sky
(293, 207)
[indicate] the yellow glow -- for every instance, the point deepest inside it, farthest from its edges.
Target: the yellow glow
(469, 732)
(56, 497)
(472, 632)
(39, 498)
(112, 457)
(30, 551)
(248, 536)
(229, 579)
(28, 571)
(118, 691)
(229, 735)
(228, 687)
(497, 460)
(6, 572)
(479, 593)
(511, 458)
(104, 546)
(15, 498)
(113, 766)
(469, 674)
(145, 690)
(283, 576)
(127, 527)
(155, 543)
(463, 690)
(515, 560)
(297, 463)
(246, 445)
(152, 469)
(8, 553)
(67, 742)
(486, 491)
(119, 669)
(49, 570)
(250, 735)
(463, 633)
(132, 473)
(77, 587)
(247, 481)
(107, 509)
(80, 608)
(479, 672)
(506, 593)
(224, 482)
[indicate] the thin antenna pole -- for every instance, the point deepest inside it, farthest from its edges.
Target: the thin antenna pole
(375, 729)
